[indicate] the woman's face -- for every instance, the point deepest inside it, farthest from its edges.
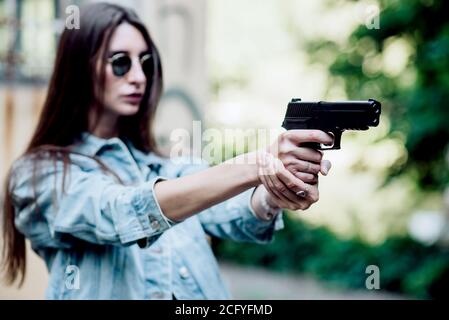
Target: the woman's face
(123, 94)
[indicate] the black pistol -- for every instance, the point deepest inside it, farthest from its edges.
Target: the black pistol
(331, 117)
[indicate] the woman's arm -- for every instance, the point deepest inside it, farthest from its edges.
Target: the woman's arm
(204, 189)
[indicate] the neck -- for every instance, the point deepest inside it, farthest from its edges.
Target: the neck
(104, 125)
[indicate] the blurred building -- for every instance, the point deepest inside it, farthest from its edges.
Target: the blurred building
(29, 31)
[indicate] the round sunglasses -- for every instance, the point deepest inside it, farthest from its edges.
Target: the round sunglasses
(121, 64)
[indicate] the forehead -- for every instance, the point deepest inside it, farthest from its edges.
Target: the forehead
(127, 38)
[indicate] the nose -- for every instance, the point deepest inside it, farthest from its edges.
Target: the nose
(136, 76)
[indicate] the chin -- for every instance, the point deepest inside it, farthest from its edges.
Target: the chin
(128, 109)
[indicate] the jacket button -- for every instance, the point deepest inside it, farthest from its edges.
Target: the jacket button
(184, 273)
(155, 225)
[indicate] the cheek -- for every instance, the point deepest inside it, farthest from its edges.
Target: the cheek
(111, 81)
(111, 86)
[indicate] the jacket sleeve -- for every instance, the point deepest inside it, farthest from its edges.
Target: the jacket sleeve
(234, 218)
(92, 207)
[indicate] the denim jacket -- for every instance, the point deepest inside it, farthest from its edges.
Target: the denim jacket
(101, 239)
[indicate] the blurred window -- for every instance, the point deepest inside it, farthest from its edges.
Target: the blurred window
(29, 30)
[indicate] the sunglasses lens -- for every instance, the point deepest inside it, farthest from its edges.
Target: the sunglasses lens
(121, 65)
(148, 66)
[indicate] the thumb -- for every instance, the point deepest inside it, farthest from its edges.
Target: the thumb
(325, 167)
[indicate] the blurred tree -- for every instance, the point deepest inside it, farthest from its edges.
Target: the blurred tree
(405, 64)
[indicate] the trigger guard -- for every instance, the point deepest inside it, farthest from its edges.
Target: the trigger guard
(326, 147)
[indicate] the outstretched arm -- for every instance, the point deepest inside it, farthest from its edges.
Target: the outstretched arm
(204, 189)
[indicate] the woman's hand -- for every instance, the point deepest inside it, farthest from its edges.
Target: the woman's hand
(290, 172)
(301, 161)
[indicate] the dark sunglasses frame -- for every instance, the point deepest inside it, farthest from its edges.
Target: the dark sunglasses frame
(121, 64)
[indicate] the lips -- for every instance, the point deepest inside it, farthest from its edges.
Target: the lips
(133, 98)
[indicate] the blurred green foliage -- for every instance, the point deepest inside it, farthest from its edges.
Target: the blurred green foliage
(405, 65)
(406, 267)
(415, 99)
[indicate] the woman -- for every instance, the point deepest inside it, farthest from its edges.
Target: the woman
(113, 218)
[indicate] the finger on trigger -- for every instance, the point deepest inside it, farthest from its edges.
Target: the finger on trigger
(307, 135)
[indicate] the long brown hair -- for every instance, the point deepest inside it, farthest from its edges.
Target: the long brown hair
(71, 93)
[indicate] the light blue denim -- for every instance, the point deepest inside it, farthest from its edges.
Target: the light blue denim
(104, 240)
